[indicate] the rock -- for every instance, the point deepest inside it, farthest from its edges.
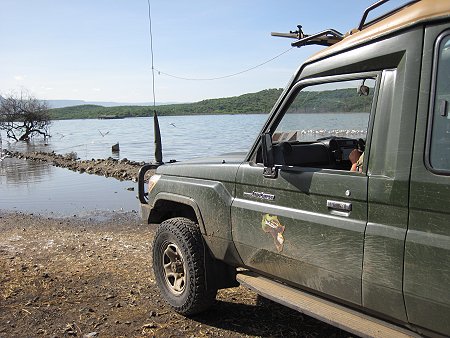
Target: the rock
(123, 169)
(149, 326)
(91, 335)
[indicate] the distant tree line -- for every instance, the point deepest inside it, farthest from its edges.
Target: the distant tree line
(339, 100)
(252, 103)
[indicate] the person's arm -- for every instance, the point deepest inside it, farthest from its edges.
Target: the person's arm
(354, 157)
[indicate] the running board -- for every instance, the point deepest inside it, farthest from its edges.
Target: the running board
(326, 311)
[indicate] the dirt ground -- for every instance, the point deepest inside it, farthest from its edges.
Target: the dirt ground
(91, 277)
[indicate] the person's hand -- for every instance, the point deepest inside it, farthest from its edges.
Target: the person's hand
(354, 155)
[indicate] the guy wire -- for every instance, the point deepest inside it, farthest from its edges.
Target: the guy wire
(225, 76)
(196, 79)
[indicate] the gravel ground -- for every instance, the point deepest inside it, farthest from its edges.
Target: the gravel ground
(91, 277)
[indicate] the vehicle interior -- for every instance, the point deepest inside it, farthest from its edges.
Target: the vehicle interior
(322, 125)
(330, 152)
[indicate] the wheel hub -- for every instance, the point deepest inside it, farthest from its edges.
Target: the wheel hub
(174, 271)
(177, 267)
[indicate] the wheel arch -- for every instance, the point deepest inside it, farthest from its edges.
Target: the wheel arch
(169, 205)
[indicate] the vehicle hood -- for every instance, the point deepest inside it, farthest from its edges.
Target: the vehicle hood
(221, 168)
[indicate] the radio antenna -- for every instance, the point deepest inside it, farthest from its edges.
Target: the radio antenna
(157, 132)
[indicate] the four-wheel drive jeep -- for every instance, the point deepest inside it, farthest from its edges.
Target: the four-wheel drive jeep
(365, 247)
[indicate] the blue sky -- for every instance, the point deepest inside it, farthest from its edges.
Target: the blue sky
(99, 50)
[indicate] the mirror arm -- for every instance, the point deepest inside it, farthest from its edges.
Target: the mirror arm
(270, 170)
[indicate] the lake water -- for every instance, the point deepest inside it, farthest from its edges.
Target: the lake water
(41, 188)
(183, 137)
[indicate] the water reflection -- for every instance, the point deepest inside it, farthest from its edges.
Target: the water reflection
(14, 171)
(39, 187)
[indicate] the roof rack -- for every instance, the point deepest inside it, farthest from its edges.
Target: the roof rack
(330, 36)
(327, 37)
(377, 4)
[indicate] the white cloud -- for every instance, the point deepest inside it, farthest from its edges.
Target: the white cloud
(19, 77)
(96, 89)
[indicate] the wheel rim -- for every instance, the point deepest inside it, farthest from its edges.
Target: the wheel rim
(174, 271)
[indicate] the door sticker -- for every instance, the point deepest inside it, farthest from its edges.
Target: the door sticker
(270, 224)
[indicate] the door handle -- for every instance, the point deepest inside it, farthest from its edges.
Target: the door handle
(337, 205)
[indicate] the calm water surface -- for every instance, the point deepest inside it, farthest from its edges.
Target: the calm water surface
(44, 189)
(41, 188)
(183, 137)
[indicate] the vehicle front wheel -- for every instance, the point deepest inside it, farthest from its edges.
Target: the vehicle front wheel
(179, 266)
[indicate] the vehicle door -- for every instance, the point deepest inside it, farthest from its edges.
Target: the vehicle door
(427, 248)
(305, 225)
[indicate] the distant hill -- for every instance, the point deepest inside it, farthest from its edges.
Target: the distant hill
(71, 103)
(260, 102)
(339, 100)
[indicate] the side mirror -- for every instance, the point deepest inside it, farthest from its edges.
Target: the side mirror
(267, 156)
(363, 90)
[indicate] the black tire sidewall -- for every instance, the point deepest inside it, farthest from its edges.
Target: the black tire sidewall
(186, 235)
(162, 239)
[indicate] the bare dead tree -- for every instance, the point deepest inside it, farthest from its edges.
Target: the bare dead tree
(23, 116)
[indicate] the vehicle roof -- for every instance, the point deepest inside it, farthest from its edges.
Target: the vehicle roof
(411, 15)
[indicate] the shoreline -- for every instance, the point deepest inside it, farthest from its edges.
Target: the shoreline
(123, 170)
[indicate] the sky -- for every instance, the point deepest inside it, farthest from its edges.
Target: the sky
(99, 50)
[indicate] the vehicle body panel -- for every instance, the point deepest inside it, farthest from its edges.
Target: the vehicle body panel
(377, 241)
(427, 248)
(312, 230)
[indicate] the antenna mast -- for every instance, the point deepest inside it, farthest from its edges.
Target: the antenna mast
(157, 132)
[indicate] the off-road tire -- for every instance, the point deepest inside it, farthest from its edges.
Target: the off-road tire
(178, 246)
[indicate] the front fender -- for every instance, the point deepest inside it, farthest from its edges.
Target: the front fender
(211, 201)
(167, 196)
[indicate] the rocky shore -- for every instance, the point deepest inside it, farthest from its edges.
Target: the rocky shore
(123, 169)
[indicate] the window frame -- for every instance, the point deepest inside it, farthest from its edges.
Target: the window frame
(432, 105)
(299, 86)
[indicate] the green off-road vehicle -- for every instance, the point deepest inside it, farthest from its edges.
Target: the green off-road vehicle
(350, 225)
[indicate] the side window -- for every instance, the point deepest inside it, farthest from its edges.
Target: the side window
(324, 124)
(439, 124)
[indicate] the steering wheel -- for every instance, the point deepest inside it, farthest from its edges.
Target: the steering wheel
(361, 146)
(335, 149)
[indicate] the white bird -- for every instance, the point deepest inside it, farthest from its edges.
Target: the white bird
(103, 134)
(3, 156)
